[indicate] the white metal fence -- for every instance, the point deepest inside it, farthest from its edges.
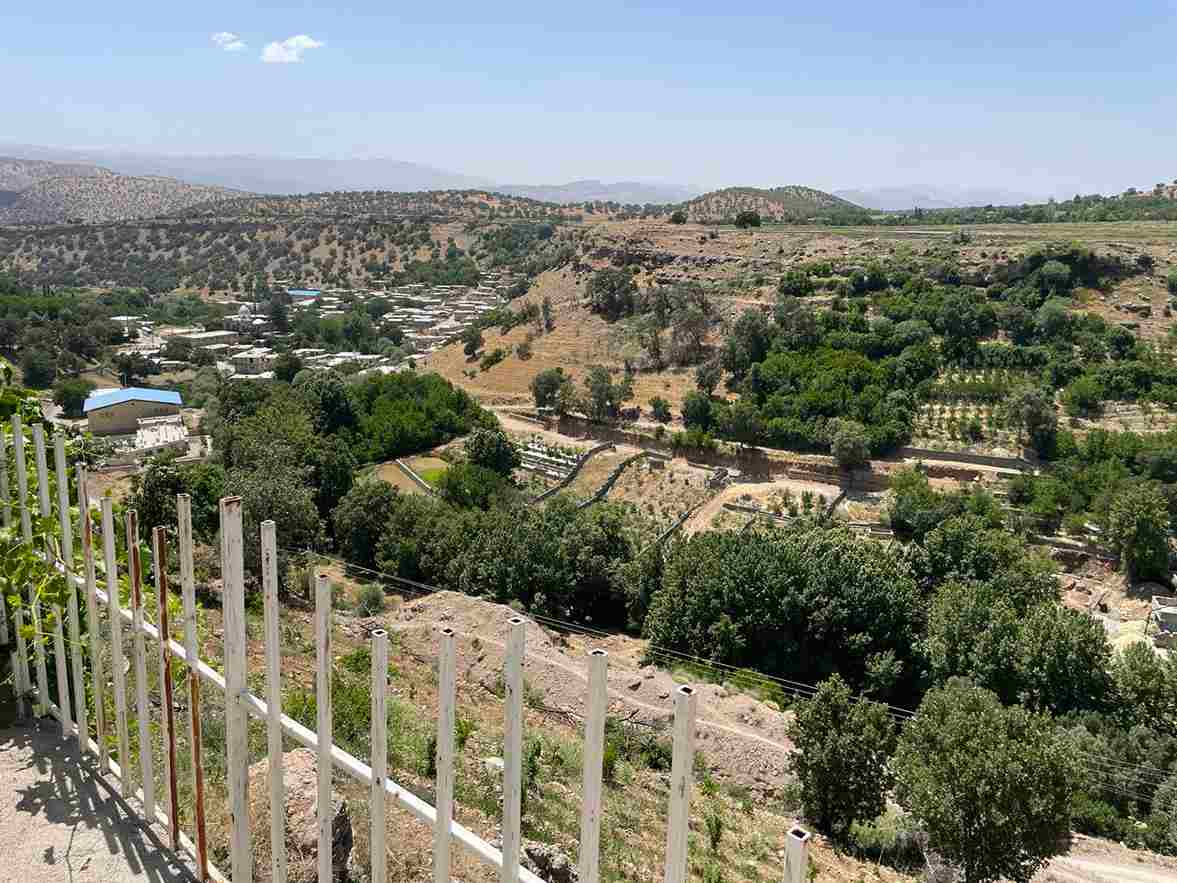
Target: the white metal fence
(147, 639)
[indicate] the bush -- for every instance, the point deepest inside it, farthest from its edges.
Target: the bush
(660, 409)
(1172, 281)
(678, 217)
(370, 600)
(714, 822)
(492, 359)
(746, 219)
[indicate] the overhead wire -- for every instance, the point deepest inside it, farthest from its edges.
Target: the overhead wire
(1114, 776)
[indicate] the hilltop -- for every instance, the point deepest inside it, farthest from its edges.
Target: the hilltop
(20, 174)
(621, 192)
(42, 192)
(789, 203)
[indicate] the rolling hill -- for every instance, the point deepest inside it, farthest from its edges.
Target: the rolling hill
(264, 174)
(788, 203)
(623, 192)
(20, 174)
(44, 192)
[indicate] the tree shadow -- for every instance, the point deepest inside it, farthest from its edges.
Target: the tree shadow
(70, 793)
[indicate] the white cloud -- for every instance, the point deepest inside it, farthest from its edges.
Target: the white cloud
(228, 41)
(290, 50)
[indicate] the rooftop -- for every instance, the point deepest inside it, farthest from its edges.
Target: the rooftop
(131, 394)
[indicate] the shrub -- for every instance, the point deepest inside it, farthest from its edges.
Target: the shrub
(746, 219)
(714, 822)
(1172, 281)
(492, 359)
(660, 409)
(678, 217)
(370, 601)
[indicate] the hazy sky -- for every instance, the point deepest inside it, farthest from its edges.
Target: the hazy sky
(1044, 97)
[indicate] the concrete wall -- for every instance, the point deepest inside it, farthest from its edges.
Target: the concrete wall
(123, 418)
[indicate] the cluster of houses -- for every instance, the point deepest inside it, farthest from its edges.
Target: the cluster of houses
(247, 345)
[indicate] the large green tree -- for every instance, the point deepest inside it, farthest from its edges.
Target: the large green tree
(71, 395)
(361, 518)
(991, 785)
(1138, 530)
(841, 745)
(612, 293)
(797, 603)
(492, 449)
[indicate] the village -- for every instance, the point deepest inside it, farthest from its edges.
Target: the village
(141, 422)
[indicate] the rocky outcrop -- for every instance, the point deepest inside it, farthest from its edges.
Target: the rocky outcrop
(300, 776)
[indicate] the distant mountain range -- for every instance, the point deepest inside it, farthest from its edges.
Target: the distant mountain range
(264, 174)
(891, 199)
(624, 192)
(275, 175)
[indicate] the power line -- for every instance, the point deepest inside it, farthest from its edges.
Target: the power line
(1102, 769)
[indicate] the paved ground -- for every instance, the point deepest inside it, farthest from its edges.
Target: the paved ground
(58, 822)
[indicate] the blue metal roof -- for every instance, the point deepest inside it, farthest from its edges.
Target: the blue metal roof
(131, 394)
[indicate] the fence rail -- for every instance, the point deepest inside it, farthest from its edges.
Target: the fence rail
(85, 662)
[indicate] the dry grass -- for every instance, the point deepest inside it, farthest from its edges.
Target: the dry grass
(578, 341)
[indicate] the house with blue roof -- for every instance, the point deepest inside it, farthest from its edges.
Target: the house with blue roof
(118, 411)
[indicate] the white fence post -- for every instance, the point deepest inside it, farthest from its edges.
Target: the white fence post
(73, 583)
(594, 758)
(188, 590)
(680, 785)
(513, 750)
(118, 660)
(442, 830)
(97, 675)
(24, 681)
(273, 644)
(168, 720)
(379, 799)
(44, 511)
(323, 707)
(5, 498)
(5, 520)
(796, 855)
(22, 478)
(139, 660)
(236, 723)
(67, 560)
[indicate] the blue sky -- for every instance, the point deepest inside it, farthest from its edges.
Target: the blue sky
(1042, 97)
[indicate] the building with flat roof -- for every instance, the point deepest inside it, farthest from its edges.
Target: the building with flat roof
(118, 412)
(206, 338)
